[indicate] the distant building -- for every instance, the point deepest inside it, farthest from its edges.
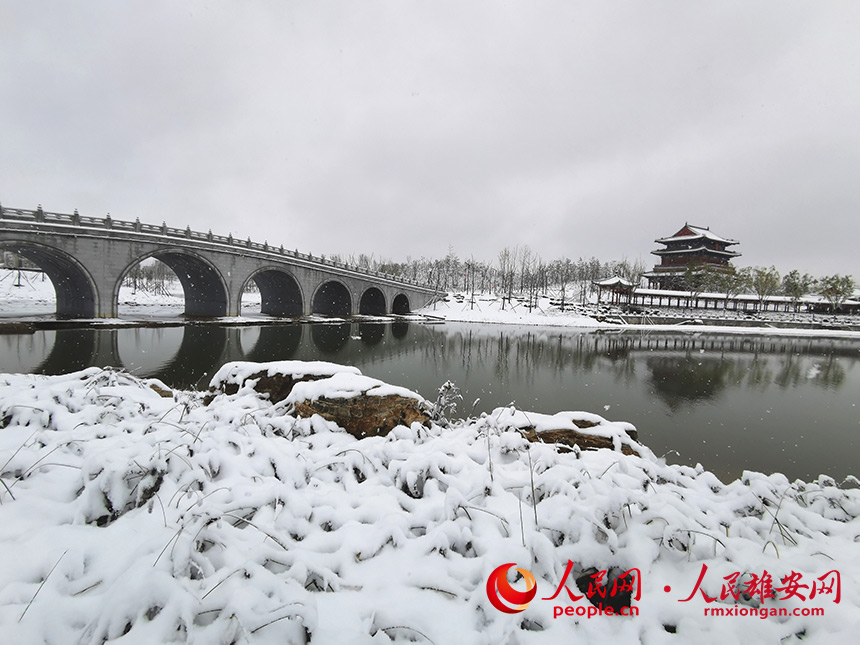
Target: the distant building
(11, 260)
(618, 288)
(691, 246)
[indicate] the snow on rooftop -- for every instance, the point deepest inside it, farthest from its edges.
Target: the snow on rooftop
(698, 231)
(614, 280)
(132, 518)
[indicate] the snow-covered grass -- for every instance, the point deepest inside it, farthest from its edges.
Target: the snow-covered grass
(131, 517)
(24, 292)
(486, 308)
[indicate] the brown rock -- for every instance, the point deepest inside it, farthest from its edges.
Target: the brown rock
(164, 393)
(366, 415)
(584, 440)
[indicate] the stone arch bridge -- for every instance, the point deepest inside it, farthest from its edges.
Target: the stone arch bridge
(87, 258)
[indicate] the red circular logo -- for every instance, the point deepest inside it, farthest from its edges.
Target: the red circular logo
(498, 585)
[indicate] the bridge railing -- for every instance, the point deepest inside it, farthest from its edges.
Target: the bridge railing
(75, 219)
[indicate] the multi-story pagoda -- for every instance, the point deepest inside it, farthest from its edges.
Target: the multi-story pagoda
(692, 246)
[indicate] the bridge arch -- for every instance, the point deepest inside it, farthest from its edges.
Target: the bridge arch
(332, 298)
(75, 289)
(204, 287)
(280, 292)
(400, 305)
(372, 302)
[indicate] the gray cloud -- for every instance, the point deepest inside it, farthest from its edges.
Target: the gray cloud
(400, 129)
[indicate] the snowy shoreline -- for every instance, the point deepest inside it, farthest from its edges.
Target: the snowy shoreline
(131, 513)
(33, 304)
(488, 311)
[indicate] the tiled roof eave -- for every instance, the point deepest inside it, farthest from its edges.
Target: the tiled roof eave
(687, 238)
(695, 250)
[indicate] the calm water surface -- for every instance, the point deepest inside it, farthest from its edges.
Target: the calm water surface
(731, 403)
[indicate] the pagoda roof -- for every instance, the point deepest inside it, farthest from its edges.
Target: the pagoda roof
(690, 232)
(693, 250)
(614, 281)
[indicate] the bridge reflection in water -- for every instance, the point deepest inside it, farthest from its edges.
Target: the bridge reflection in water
(186, 356)
(728, 401)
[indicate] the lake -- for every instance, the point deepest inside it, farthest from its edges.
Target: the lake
(729, 402)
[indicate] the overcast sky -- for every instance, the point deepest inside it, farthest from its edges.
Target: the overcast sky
(402, 128)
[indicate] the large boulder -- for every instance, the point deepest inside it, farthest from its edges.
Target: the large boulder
(583, 429)
(276, 378)
(361, 405)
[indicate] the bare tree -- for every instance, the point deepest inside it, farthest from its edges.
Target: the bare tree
(765, 283)
(507, 267)
(795, 286)
(526, 261)
(696, 279)
(562, 272)
(731, 283)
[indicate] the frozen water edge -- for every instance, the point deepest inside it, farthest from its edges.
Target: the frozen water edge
(35, 302)
(135, 518)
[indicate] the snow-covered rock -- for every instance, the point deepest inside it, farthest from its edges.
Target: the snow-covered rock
(361, 405)
(584, 430)
(276, 378)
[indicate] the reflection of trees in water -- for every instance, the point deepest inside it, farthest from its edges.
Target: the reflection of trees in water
(25, 353)
(701, 377)
(507, 355)
(523, 355)
(682, 368)
(757, 375)
(502, 364)
(687, 379)
(827, 372)
(622, 359)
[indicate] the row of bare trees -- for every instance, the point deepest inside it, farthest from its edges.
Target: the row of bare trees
(517, 272)
(150, 276)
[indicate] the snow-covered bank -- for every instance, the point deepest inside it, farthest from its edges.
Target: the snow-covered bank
(129, 516)
(26, 296)
(489, 309)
